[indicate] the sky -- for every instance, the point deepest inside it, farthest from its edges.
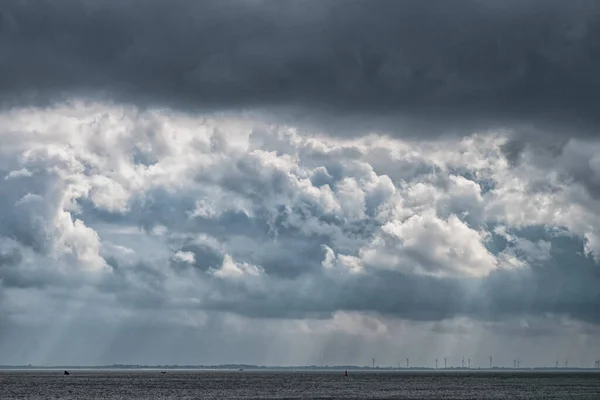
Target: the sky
(299, 182)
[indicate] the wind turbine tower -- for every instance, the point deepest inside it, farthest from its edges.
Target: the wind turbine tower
(491, 364)
(373, 362)
(407, 362)
(445, 362)
(469, 363)
(436, 363)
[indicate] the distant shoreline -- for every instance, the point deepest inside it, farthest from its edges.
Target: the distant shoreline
(238, 367)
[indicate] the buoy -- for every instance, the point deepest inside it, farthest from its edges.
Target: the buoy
(66, 373)
(346, 373)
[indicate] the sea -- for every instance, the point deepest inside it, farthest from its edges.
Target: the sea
(195, 384)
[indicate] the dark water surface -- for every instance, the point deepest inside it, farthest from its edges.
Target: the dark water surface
(129, 384)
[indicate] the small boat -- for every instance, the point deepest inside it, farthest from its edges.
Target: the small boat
(66, 373)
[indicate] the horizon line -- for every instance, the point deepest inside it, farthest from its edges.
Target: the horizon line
(228, 366)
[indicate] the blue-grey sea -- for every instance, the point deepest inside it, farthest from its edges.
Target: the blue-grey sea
(194, 384)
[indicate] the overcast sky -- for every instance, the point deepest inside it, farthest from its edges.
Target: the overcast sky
(299, 182)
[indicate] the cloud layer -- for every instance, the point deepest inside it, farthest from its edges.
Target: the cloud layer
(413, 69)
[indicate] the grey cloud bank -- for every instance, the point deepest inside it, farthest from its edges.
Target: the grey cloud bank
(415, 67)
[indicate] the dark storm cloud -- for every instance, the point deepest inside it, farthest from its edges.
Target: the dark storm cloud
(436, 64)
